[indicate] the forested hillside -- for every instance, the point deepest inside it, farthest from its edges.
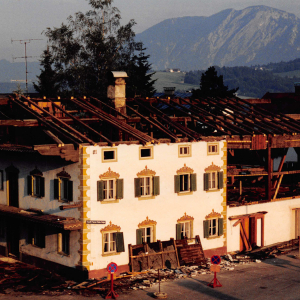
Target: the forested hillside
(253, 81)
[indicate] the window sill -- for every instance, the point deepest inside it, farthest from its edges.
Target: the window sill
(213, 190)
(214, 237)
(146, 198)
(111, 254)
(109, 201)
(185, 193)
(63, 254)
(216, 153)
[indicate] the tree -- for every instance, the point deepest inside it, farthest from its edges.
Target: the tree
(140, 81)
(212, 85)
(89, 46)
(47, 84)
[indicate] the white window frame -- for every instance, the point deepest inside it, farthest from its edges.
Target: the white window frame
(109, 238)
(211, 181)
(145, 235)
(213, 227)
(146, 185)
(35, 185)
(186, 228)
(109, 189)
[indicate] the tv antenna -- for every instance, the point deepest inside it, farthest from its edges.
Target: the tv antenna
(25, 42)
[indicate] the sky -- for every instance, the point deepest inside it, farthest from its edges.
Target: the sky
(27, 19)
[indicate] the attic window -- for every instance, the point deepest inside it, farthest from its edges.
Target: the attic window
(146, 153)
(184, 150)
(213, 149)
(109, 155)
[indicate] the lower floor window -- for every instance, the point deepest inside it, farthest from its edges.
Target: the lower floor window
(113, 242)
(213, 227)
(184, 230)
(64, 242)
(110, 242)
(37, 235)
(145, 235)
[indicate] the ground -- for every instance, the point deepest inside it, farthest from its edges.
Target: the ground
(273, 278)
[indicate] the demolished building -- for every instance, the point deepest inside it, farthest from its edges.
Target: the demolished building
(83, 181)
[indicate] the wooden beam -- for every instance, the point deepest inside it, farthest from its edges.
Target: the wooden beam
(277, 188)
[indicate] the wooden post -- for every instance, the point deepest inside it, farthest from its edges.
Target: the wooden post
(241, 187)
(130, 257)
(278, 186)
(176, 252)
(270, 167)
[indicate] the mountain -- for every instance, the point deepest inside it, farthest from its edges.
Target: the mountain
(254, 35)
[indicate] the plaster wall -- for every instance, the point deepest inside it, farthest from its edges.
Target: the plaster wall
(49, 166)
(165, 208)
(279, 222)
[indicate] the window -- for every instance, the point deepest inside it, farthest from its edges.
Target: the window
(146, 185)
(146, 152)
(36, 184)
(213, 181)
(63, 187)
(109, 155)
(213, 227)
(144, 235)
(64, 243)
(185, 183)
(184, 150)
(183, 230)
(212, 148)
(112, 240)
(184, 227)
(37, 235)
(1, 181)
(146, 232)
(110, 189)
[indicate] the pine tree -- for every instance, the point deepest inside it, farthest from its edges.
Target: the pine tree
(140, 83)
(212, 85)
(47, 84)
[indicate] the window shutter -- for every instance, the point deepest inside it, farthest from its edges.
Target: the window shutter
(220, 181)
(120, 188)
(70, 190)
(100, 190)
(120, 242)
(137, 187)
(139, 236)
(29, 185)
(177, 183)
(191, 228)
(206, 228)
(56, 189)
(156, 187)
(42, 187)
(194, 182)
(178, 231)
(220, 226)
(206, 181)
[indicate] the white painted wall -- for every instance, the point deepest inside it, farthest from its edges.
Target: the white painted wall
(165, 209)
(279, 222)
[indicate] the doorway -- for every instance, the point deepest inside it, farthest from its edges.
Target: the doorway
(13, 237)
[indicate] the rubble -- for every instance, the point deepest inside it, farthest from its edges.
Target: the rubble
(26, 279)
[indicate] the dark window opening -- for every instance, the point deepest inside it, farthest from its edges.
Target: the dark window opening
(109, 155)
(146, 152)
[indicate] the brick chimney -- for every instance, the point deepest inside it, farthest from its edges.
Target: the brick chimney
(117, 92)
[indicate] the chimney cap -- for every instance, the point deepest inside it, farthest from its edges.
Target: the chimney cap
(119, 74)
